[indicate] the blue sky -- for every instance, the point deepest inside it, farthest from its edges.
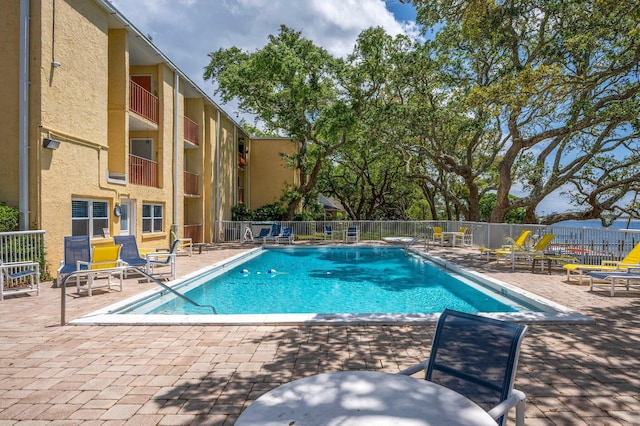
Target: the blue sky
(401, 11)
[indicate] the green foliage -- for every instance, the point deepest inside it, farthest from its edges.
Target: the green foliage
(303, 217)
(419, 210)
(487, 204)
(541, 96)
(255, 131)
(240, 212)
(9, 218)
(274, 211)
(560, 79)
(290, 85)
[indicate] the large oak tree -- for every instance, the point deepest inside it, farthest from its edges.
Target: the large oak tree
(562, 80)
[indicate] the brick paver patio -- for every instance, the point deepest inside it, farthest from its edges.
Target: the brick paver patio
(175, 375)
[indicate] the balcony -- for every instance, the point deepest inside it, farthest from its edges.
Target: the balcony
(191, 186)
(143, 102)
(194, 232)
(143, 171)
(191, 131)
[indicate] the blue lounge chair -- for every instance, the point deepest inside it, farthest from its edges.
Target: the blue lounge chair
(328, 232)
(129, 252)
(615, 279)
(163, 258)
(477, 357)
(352, 235)
(76, 249)
(271, 234)
(287, 235)
(264, 233)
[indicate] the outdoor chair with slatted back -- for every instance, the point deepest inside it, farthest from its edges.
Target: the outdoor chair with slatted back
(477, 357)
(76, 248)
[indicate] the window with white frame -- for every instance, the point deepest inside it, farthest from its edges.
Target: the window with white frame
(89, 217)
(152, 217)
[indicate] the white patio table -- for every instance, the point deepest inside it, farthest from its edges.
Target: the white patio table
(453, 236)
(354, 398)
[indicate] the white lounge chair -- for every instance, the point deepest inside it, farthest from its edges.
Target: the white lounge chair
(17, 272)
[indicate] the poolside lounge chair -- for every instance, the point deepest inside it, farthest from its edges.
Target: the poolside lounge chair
(352, 235)
(328, 232)
(129, 252)
(615, 279)
(105, 261)
(163, 258)
(185, 245)
(477, 357)
(274, 233)
(517, 253)
(76, 248)
(630, 260)
(287, 235)
(264, 232)
(515, 244)
(14, 272)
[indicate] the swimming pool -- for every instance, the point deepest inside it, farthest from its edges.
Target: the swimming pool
(332, 280)
(331, 284)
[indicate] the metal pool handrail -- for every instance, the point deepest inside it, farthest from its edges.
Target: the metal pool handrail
(63, 287)
(415, 240)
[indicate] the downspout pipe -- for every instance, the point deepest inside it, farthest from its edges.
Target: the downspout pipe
(217, 183)
(234, 184)
(23, 105)
(176, 150)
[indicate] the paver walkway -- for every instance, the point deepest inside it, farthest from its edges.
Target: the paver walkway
(174, 375)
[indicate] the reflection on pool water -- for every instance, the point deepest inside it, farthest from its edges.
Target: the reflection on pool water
(291, 284)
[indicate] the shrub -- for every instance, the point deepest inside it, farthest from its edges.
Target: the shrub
(273, 211)
(303, 217)
(240, 212)
(9, 218)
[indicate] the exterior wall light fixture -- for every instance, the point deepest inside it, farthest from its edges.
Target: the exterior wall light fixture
(50, 143)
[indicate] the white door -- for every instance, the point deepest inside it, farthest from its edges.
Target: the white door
(127, 216)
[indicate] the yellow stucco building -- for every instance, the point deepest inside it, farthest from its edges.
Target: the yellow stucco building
(103, 135)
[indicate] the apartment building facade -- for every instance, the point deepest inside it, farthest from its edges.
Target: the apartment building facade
(105, 136)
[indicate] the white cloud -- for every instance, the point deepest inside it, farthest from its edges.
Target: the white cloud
(187, 30)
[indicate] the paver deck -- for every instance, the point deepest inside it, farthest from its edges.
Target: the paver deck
(173, 375)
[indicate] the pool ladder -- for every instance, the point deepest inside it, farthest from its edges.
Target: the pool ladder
(415, 240)
(63, 287)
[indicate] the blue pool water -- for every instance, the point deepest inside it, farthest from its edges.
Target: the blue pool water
(331, 280)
